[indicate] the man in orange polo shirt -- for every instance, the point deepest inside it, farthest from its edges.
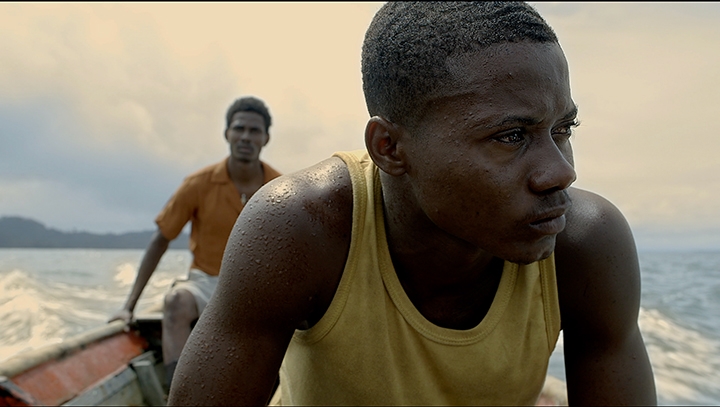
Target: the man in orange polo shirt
(211, 199)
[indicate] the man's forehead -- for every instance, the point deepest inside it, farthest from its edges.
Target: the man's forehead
(528, 80)
(248, 117)
(506, 58)
(486, 70)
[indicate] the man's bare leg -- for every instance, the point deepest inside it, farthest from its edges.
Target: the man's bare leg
(179, 313)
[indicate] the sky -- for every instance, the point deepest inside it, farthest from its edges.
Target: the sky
(106, 107)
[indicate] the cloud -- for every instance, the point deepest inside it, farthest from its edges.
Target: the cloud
(94, 105)
(645, 77)
(107, 106)
(116, 80)
(117, 102)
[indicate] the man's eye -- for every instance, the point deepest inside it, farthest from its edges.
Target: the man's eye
(566, 130)
(512, 137)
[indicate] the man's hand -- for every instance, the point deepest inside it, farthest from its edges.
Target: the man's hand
(124, 315)
(154, 252)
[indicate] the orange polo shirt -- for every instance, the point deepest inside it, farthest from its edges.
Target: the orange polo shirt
(209, 200)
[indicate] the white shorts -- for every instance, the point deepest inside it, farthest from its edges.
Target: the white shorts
(200, 284)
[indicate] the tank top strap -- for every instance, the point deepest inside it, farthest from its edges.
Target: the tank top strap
(551, 304)
(357, 164)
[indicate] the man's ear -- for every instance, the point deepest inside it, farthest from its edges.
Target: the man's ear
(383, 142)
(267, 138)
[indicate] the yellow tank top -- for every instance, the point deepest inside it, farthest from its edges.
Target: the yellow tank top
(373, 347)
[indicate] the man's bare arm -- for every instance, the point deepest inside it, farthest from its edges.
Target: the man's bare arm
(156, 248)
(281, 266)
(606, 361)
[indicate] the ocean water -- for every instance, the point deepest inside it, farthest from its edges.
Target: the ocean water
(680, 323)
(47, 295)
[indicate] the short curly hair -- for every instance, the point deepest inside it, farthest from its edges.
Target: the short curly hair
(249, 104)
(407, 45)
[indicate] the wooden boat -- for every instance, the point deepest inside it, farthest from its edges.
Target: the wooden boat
(114, 365)
(109, 365)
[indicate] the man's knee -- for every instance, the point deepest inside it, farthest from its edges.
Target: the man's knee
(180, 307)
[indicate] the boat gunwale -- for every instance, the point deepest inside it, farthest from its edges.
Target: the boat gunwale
(26, 360)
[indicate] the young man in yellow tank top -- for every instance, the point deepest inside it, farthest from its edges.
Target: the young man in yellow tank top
(438, 266)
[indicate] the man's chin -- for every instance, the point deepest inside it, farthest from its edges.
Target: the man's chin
(243, 158)
(532, 253)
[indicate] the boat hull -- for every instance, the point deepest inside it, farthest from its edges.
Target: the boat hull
(108, 365)
(117, 365)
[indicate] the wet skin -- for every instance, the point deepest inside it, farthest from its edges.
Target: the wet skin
(490, 162)
(483, 177)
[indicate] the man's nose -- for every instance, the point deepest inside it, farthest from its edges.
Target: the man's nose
(553, 171)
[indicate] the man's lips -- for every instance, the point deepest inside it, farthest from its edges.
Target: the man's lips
(549, 225)
(244, 149)
(550, 222)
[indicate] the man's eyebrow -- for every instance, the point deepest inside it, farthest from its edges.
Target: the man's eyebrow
(241, 124)
(513, 119)
(571, 114)
(527, 121)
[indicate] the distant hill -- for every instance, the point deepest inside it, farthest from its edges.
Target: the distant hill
(20, 232)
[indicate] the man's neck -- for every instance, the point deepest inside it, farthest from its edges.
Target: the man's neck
(420, 247)
(449, 281)
(244, 171)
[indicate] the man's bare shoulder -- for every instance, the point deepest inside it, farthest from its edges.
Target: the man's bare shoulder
(590, 217)
(280, 269)
(598, 280)
(290, 242)
(597, 266)
(319, 196)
